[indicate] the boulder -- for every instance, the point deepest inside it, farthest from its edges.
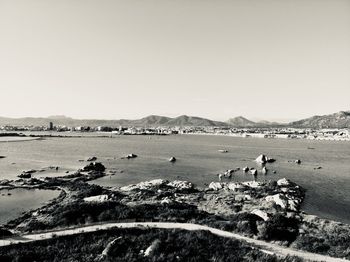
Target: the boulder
(172, 159)
(131, 156)
(216, 185)
(283, 182)
(236, 186)
(98, 199)
(261, 214)
(262, 159)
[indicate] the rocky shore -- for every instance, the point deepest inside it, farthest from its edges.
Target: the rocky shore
(267, 210)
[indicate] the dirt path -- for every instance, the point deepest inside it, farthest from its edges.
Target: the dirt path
(262, 245)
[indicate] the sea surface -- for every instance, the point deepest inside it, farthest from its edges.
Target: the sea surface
(198, 160)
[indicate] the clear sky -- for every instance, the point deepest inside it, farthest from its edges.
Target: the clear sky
(266, 59)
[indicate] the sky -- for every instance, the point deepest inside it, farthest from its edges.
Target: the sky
(262, 59)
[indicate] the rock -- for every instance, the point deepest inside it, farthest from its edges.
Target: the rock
(245, 169)
(283, 182)
(319, 167)
(131, 156)
(25, 175)
(240, 198)
(149, 251)
(279, 199)
(29, 171)
(261, 214)
(98, 199)
(172, 159)
(236, 186)
(223, 150)
(145, 185)
(298, 161)
(220, 176)
(229, 172)
(94, 166)
(107, 251)
(93, 158)
(264, 170)
(254, 172)
(216, 185)
(181, 184)
(262, 159)
(253, 184)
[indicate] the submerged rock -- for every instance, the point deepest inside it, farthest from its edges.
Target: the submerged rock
(93, 158)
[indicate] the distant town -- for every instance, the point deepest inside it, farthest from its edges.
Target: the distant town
(342, 134)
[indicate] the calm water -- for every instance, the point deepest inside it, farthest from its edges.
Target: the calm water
(198, 160)
(15, 201)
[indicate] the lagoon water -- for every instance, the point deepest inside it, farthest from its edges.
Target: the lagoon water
(16, 201)
(198, 161)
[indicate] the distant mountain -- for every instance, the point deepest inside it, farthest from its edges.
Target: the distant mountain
(336, 120)
(241, 121)
(152, 120)
(194, 121)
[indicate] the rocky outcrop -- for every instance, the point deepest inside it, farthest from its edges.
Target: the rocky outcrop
(94, 166)
(145, 185)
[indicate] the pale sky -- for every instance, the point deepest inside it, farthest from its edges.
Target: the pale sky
(266, 59)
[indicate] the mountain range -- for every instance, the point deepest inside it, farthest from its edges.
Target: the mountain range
(336, 120)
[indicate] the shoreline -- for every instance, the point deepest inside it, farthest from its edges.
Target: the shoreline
(265, 200)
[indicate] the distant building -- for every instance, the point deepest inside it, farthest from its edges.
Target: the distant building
(51, 126)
